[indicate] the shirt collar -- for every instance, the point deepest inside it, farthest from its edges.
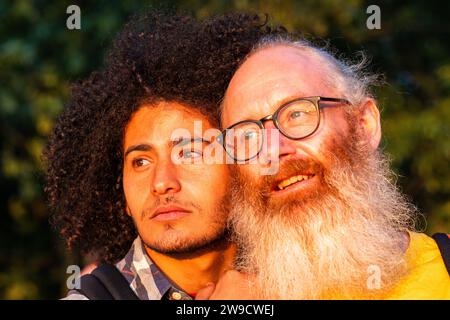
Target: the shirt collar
(145, 278)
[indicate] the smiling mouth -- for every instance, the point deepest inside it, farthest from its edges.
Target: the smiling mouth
(293, 181)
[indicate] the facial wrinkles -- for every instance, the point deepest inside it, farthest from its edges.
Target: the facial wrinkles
(306, 164)
(323, 245)
(271, 75)
(301, 245)
(261, 104)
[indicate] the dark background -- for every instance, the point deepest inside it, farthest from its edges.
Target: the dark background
(39, 57)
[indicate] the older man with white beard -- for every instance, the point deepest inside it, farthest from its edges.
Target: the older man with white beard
(330, 224)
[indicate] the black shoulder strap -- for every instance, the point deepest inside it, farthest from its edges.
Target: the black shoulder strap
(106, 283)
(443, 242)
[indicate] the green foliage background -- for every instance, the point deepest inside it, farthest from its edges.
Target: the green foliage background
(39, 57)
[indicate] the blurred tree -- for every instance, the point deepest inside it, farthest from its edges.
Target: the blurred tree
(39, 57)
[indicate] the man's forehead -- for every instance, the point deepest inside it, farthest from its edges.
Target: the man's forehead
(272, 89)
(250, 102)
(272, 75)
(164, 123)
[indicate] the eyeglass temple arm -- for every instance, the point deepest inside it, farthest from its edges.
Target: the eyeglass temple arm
(334, 100)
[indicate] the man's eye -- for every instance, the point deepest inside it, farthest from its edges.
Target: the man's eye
(297, 114)
(140, 162)
(190, 154)
(247, 136)
(250, 135)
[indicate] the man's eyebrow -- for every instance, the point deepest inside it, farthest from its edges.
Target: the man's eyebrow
(281, 101)
(138, 147)
(183, 141)
(288, 98)
(176, 142)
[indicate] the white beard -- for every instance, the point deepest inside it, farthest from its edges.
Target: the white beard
(327, 247)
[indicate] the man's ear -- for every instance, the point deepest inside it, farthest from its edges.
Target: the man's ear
(370, 123)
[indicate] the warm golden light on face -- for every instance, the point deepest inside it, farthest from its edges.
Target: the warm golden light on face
(172, 204)
(272, 77)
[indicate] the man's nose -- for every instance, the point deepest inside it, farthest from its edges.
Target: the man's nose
(165, 178)
(276, 144)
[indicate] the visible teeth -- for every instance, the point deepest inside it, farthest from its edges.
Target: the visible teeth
(285, 183)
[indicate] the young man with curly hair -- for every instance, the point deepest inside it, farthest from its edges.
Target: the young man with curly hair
(111, 180)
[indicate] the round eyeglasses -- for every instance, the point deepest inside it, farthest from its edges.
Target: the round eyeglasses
(296, 119)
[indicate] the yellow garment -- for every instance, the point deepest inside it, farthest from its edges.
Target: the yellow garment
(428, 278)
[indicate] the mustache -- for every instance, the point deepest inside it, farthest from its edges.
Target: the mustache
(291, 168)
(166, 200)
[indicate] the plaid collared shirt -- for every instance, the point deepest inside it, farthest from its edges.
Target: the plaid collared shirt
(144, 277)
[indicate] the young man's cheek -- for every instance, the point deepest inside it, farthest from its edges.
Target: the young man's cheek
(136, 197)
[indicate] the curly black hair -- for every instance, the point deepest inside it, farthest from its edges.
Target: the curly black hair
(157, 56)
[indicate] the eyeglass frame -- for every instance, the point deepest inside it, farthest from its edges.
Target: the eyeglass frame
(274, 117)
